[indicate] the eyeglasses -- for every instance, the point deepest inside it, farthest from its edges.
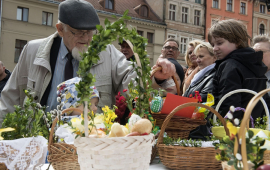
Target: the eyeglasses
(81, 33)
(169, 47)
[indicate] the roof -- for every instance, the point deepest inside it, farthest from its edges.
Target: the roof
(122, 5)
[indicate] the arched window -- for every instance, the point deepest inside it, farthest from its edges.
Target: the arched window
(144, 11)
(109, 4)
(261, 29)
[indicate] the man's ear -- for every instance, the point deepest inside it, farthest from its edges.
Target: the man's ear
(60, 29)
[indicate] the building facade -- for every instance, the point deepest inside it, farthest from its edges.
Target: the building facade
(185, 22)
(229, 9)
(261, 18)
(22, 21)
(144, 19)
(25, 20)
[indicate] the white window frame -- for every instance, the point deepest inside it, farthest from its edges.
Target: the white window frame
(264, 9)
(232, 5)
(170, 34)
(264, 28)
(188, 14)
(200, 16)
(182, 51)
(245, 9)
(218, 4)
(175, 11)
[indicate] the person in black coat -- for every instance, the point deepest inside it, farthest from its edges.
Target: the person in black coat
(4, 76)
(203, 80)
(238, 67)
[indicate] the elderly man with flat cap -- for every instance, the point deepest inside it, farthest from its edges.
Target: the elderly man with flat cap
(45, 63)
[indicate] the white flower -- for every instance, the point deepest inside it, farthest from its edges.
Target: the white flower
(63, 96)
(232, 109)
(238, 156)
(58, 107)
(58, 99)
(240, 141)
(76, 123)
(236, 121)
(229, 115)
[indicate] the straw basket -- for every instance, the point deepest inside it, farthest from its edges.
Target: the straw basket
(3, 166)
(188, 158)
(62, 156)
(178, 127)
(121, 153)
(244, 125)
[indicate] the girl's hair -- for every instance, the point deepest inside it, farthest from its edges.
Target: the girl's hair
(206, 45)
(232, 30)
(194, 44)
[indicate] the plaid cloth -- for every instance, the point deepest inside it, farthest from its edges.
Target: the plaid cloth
(69, 89)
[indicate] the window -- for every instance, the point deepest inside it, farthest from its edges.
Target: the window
(172, 12)
(140, 33)
(215, 4)
(150, 37)
(47, 18)
(144, 11)
(171, 36)
(109, 4)
(184, 14)
(183, 45)
(243, 8)
(22, 14)
(198, 1)
(197, 17)
(18, 49)
(229, 5)
(262, 8)
(261, 29)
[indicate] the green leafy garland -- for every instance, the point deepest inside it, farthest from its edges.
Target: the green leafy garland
(107, 35)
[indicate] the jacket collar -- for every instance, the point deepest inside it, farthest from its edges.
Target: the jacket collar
(43, 54)
(203, 77)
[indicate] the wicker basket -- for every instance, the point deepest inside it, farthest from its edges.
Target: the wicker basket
(188, 158)
(3, 166)
(178, 127)
(62, 156)
(121, 153)
(245, 124)
(241, 91)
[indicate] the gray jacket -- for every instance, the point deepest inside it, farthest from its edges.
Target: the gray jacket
(113, 73)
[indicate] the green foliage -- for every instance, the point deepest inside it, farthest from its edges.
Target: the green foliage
(261, 123)
(186, 143)
(106, 35)
(31, 120)
(254, 152)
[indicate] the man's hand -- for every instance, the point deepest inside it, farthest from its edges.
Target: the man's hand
(168, 69)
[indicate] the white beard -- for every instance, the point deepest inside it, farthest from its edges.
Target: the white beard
(76, 52)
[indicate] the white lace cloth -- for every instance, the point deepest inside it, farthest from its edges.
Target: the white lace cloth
(25, 153)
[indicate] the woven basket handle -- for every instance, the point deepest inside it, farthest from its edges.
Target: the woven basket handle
(241, 91)
(168, 118)
(55, 122)
(173, 77)
(242, 133)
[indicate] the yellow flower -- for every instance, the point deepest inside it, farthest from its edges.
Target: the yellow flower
(5, 130)
(232, 128)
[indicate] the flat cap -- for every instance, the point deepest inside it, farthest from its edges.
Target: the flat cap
(78, 14)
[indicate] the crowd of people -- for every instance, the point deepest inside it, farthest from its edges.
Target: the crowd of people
(223, 64)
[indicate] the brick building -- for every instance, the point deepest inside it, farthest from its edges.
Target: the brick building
(229, 9)
(261, 18)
